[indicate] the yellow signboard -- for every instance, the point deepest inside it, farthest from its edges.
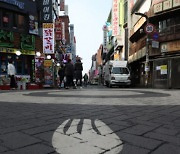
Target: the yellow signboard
(12, 50)
(47, 25)
(47, 63)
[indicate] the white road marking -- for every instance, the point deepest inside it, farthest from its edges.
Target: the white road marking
(90, 141)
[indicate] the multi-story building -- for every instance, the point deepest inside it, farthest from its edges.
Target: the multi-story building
(161, 43)
(21, 34)
(116, 32)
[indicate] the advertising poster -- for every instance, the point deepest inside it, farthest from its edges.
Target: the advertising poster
(48, 73)
(33, 25)
(39, 69)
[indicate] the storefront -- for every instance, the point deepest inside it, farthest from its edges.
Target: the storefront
(24, 64)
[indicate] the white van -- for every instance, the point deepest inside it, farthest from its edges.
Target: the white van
(116, 73)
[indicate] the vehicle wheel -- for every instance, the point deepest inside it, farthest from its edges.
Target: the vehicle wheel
(109, 85)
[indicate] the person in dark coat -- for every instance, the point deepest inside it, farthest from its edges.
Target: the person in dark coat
(61, 75)
(69, 73)
(78, 71)
(85, 79)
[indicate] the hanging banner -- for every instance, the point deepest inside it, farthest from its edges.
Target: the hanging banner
(115, 18)
(48, 38)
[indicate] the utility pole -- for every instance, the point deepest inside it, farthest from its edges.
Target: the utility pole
(147, 66)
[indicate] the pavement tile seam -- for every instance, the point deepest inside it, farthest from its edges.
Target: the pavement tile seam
(165, 138)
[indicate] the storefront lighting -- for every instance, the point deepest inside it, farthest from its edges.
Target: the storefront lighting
(48, 56)
(38, 54)
(18, 53)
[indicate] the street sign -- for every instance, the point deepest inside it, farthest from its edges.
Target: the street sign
(155, 44)
(149, 28)
(155, 35)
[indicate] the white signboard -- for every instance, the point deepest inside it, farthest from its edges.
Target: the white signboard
(167, 4)
(155, 44)
(48, 38)
(158, 8)
(176, 3)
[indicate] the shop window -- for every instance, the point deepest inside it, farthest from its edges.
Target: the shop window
(3, 63)
(19, 64)
(26, 65)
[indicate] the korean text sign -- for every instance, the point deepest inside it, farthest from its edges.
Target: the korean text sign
(48, 38)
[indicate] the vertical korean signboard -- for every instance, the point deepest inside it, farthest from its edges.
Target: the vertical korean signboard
(105, 30)
(48, 38)
(47, 11)
(115, 18)
(58, 27)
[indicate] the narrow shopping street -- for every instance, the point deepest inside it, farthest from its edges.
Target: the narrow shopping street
(93, 120)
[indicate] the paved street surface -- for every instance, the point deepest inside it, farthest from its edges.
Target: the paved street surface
(92, 120)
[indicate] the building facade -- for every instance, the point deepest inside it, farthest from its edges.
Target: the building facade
(161, 43)
(21, 35)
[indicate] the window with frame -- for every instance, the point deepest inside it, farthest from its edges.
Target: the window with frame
(18, 21)
(6, 19)
(169, 26)
(12, 20)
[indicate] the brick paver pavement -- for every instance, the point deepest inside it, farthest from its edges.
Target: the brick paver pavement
(96, 120)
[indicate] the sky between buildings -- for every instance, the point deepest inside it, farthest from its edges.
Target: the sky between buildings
(88, 17)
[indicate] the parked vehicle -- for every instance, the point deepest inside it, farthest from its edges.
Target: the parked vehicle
(116, 73)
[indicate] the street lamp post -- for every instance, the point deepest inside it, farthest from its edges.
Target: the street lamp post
(147, 50)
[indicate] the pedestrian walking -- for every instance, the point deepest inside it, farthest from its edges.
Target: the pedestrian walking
(69, 74)
(61, 76)
(85, 77)
(11, 74)
(78, 71)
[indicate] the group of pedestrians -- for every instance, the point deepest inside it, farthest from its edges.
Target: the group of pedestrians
(68, 72)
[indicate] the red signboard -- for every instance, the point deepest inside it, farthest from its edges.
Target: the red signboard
(58, 29)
